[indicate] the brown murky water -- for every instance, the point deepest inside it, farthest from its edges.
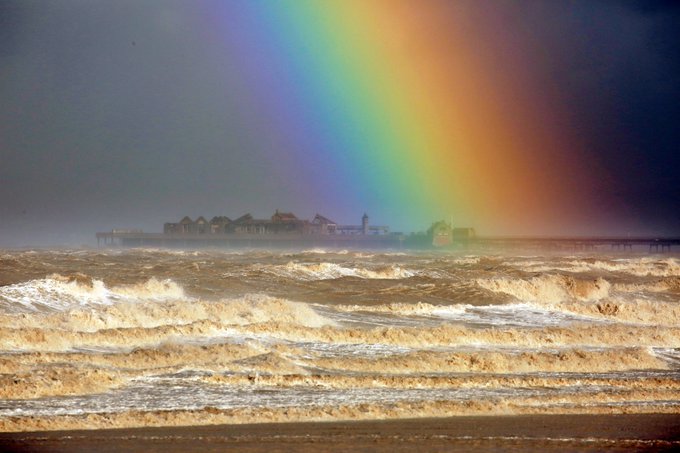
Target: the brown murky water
(121, 338)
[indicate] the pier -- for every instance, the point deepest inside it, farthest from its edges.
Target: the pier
(281, 230)
(249, 240)
(395, 241)
(286, 230)
(610, 243)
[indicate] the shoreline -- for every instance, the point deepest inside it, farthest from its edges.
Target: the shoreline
(574, 432)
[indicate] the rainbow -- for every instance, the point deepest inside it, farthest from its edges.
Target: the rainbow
(409, 110)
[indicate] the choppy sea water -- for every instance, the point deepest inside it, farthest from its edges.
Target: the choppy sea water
(134, 337)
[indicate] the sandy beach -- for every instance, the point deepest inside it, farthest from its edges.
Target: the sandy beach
(630, 432)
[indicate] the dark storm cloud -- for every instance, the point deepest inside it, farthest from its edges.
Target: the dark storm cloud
(117, 114)
(9, 20)
(616, 66)
(130, 113)
(651, 6)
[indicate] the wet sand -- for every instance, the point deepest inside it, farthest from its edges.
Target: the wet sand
(629, 432)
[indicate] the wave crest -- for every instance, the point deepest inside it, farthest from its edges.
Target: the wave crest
(330, 271)
(593, 298)
(129, 325)
(569, 360)
(62, 292)
(548, 288)
(639, 267)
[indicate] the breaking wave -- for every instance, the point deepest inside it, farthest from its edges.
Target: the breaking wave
(571, 360)
(292, 322)
(593, 298)
(429, 404)
(117, 338)
(27, 376)
(521, 314)
(639, 267)
(417, 309)
(125, 325)
(329, 271)
(548, 288)
(58, 292)
(59, 381)
(448, 335)
(671, 284)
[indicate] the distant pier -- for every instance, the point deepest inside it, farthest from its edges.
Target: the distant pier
(127, 238)
(281, 230)
(244, 240)
(286, 230)
(611, 243)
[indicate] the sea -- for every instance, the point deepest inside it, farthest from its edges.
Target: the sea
(96, 338)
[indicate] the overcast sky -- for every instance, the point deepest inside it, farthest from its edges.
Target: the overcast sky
(124, 114)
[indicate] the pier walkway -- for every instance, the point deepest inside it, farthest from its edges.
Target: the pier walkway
(241, 240)
(613, 243)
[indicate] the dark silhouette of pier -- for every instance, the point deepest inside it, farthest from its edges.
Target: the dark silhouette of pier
(611, 243)
(283, 240)
(554, 243)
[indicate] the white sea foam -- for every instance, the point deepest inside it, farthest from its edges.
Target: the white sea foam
(639, 267)
(313, 251)
(466, 260)
(548, 288)
(57, 292)
(329, 271)
(217, 316)
(524, 315)
(593, 298)
(520, 314)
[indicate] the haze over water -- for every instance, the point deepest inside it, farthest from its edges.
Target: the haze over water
(141, 337)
